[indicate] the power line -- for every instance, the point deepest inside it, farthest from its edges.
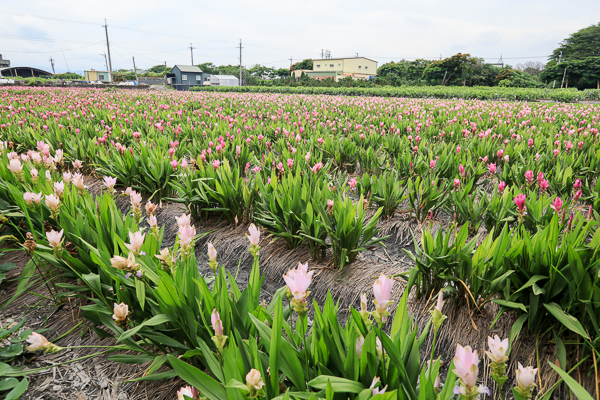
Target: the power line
(52, 51)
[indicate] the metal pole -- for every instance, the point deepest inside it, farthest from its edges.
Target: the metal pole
(135, 69)
(108, 48)
(52, 62)
(241, 82)
(563, 80)
(192, 53)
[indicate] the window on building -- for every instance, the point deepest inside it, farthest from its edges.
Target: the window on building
(184, 77)
(359, 67)
(339, 65)
(100, 77)
(199, 78)
(330, 65)
(318, 65)
(366, 67)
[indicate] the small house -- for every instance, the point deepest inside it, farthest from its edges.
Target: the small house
(182, 77)
(97, 76)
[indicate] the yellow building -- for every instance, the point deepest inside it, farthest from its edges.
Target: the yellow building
(94, 76)
(355, 67)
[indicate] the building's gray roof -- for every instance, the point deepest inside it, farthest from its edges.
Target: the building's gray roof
(225, 76)
(189, 68)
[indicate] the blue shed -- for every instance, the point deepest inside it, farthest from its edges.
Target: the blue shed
(185, 76)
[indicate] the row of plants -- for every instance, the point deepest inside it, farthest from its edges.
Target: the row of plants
(440, 92)
(223, 341)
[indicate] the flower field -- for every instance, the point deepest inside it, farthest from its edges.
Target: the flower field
(502, 200)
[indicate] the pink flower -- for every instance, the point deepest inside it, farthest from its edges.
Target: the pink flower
(298, 280)
(432, 164)
(55, 238)
(501, 187)
(352, 183)
(216, 164)
(456, 183)
(254, 236)
(557, 204)
(544, 185)
(492, 168)
(217, 324)
(500, 153)
(136, 241)
(184, 220)
(577, 195)
(529, 177)
(77, 164)
(461, 170)
(526, 377)
(15, 166)
(466, 365)
(317, 167)
(110, 182)
(540, 177)
(186, 235)
(188, 391)
(457, 149)
(520, 202)
(382, 289)
(59, 188)
(37, 342)
(329, 204)
(530, 143)
(174, 164)
(577, 183)
(290, 163)
(498, 349)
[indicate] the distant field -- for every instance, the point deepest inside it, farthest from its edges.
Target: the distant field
(438, 92)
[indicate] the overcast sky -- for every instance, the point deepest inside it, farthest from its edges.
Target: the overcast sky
(32, 31)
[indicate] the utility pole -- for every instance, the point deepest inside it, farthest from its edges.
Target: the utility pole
(52, 63)
(563, 80)
(356, 55)
(135, 69)
(322, 54)
(108, 48)
(105, 60)
(192, 52)
(440, 56)
(291, 59)
(165, 73)
(241, 83)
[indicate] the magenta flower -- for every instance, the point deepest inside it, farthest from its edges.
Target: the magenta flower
(456, 183)
(492, 168)
(216, 164)
(557, 204)
(461, 170)
(501, 187)
(174, 164)
(529, 177)
(520, 202)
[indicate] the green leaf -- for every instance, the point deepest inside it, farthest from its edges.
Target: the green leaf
(515, 330)
(18, 390)
(567, 320)
(209, 388)
(156, 320)
(340, 385)
(510, 304)
(8, 383)
(575, 387)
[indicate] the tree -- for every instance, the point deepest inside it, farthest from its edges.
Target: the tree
(282, 73)
(577, 59)
(209, 68)
(533, 68)
(159, 69)
(304, 64)
(262, 72)
(456, 69)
